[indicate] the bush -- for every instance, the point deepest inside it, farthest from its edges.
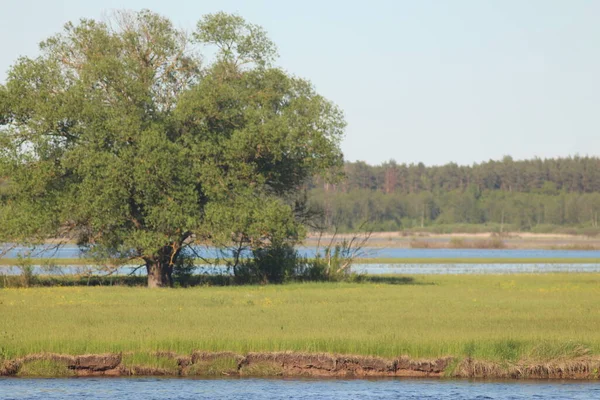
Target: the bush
(333, 265)
(457, 243)
(275, 263)
(183, 270)
(280, 262)
(27, 277)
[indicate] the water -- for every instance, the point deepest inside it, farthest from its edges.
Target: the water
(462, 269)
(71, 251)
(290, 389)
(371, 269)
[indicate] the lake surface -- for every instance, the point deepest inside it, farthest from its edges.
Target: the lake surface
(292, 389)
(460, 269)
(72, 251)
(371, 269)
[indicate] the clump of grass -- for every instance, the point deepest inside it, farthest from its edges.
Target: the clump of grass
(457, 243)
(45, 368)
(150, 361)
(508, 350)
(450, 370)
(544, 351)
(214, 367)
(492, 243)
(262, 368)
(26, 277)
(420, 244)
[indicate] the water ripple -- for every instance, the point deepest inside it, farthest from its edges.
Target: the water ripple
(290, 389)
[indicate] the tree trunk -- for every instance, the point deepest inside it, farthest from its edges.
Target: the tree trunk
(159, 274)
(160, 265)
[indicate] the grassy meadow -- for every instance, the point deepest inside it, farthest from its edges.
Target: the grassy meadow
(493, 317)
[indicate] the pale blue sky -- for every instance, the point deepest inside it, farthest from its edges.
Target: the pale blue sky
(420, 80)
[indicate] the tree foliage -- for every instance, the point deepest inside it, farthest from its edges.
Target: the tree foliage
(532, 195)
(119, 136)
(568, 174)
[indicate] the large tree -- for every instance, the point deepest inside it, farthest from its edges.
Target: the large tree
(122, 136)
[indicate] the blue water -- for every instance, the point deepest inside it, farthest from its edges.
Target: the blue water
(371, 269)
(71, 251)
(460, 269)
(291, 389)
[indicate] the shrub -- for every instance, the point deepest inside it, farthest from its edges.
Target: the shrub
(183, 270)
(457, 243)
(333, 265)
(280, 262)
(274, 263)
(27, 277)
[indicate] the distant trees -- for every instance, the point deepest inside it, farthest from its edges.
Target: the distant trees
(572, 174)
(526, 195)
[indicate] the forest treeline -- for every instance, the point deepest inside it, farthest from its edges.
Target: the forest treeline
(539, 195)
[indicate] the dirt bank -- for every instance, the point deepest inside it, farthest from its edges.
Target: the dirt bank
(291, 364)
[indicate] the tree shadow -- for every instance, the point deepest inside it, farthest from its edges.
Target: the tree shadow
(394, 280)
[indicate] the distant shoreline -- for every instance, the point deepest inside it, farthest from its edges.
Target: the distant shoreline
(413, 234)
(403, 239)
(509, 240)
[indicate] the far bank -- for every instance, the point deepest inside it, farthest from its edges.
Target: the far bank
(480, 240)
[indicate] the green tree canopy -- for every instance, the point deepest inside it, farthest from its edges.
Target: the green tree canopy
(121, 136)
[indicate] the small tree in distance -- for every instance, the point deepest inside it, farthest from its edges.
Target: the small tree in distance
(119, 137)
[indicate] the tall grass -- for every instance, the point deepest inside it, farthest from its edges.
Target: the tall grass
(488, 317)
(492, 243)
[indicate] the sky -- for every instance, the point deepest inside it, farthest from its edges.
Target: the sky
(427, 81)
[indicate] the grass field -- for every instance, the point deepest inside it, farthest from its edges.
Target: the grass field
(489, 317)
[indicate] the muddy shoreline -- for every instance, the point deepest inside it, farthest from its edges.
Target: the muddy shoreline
(290, 364)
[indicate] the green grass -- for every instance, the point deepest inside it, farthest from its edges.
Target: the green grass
(216, 367)
(152, 361)
(45, 368)
(493, 317)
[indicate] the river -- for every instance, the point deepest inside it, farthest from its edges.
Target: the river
(369, 269)
(290, 389)
(71, 251)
